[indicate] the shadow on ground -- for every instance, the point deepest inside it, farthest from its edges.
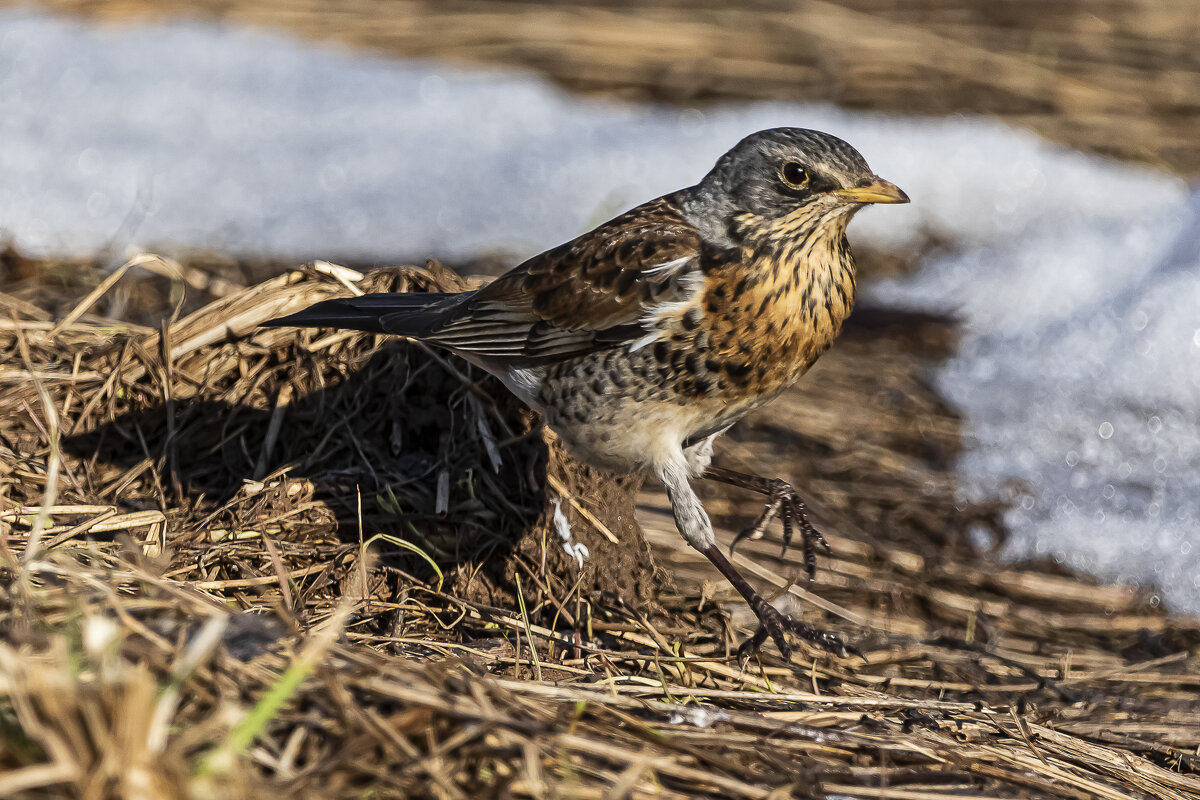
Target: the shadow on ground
(395, 441)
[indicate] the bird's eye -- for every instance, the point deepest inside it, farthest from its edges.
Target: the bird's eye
(794, 174)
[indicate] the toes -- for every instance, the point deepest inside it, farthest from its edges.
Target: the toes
(829, 642)
(777, 625)
(752, 645)
(778, 635)
(771, 624)
(754, 532)
(785, 649)
(759, 528)
(737, 539)
(792, 515)
(835, 645)
(784, 502)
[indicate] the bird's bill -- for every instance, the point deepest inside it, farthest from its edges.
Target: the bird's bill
(880, 191)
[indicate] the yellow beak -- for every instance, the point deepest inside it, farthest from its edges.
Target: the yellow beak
(880, 191)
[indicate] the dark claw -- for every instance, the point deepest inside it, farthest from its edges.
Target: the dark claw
(771, 622)
(754, 644)
(777, 625)
(782, 500)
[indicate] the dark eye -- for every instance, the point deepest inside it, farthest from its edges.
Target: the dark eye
(794, 174)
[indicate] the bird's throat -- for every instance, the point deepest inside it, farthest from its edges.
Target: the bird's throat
(766, 310)
(792, 290)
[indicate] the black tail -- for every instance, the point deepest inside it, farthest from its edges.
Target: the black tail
(408, 314)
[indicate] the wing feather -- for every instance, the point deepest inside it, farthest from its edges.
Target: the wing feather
(596, 291)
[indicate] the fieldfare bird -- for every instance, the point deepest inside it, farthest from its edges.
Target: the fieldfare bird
(643, 340)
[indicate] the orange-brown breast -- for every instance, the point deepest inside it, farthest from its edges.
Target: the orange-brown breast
(767, 316)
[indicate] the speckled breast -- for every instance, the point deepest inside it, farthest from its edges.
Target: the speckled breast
(751, 331)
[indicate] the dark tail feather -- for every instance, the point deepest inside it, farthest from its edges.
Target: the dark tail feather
(408, 314)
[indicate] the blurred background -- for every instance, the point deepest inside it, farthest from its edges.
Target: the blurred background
(1046, 273)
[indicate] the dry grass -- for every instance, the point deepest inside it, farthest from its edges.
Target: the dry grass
(216, 542)
(170, 630)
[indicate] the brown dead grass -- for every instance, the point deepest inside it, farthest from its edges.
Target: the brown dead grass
(172, 630)
(223, 631)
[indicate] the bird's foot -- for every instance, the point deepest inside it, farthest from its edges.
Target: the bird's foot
(777, 625)
(772, 622)
(784, 502)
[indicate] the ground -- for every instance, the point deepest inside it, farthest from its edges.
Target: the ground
(236, 593)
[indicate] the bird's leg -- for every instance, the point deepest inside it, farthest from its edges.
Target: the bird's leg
(694, 525)
(782, 500)
(772, 622)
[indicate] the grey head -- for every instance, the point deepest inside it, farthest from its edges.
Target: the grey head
(776, 172)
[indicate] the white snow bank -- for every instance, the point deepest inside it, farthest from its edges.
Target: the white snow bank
(1080, 375)
(249, 142)
(1078, 278)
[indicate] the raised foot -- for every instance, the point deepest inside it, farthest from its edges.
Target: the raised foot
(784, 502)
(777, 625)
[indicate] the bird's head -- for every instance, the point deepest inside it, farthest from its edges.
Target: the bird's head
(791, 177)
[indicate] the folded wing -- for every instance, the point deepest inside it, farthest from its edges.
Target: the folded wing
(597, 291)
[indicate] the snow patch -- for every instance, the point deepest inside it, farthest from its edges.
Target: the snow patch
(1080, 378)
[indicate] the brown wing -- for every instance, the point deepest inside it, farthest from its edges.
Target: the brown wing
(595, 291)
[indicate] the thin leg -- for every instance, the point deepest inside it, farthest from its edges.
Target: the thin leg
(772, 622)
(782, 501)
